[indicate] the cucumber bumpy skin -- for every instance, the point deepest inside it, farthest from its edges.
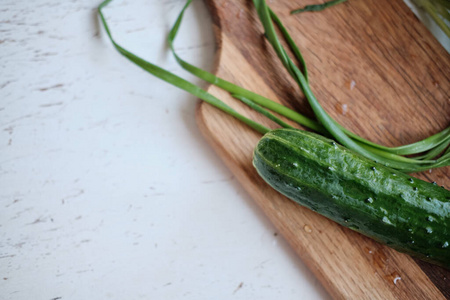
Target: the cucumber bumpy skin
(403, 212)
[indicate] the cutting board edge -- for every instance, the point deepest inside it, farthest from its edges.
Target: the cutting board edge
(212, 141)
(209, 137)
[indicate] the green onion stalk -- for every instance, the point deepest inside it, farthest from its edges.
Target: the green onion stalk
(427, 154)
(317, 7)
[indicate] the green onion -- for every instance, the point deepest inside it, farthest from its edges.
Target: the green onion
(414, 148)
(234, 89)
(433, 145)
(317, 7)
(176, 80)
(262, 111)
(332, 127)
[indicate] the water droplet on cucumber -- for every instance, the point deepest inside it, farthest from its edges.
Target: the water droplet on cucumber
(386, 220)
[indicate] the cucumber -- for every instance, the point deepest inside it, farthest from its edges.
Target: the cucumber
(403, 212)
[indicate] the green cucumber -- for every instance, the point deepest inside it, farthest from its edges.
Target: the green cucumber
(403, 212)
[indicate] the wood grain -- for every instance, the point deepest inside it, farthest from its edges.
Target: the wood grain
(381, 74)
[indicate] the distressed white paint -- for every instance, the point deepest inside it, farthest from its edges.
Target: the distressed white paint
(107, 188)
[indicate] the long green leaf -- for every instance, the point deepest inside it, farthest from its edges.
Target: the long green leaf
(414, 148)
(323, 117)
(176, 80)
(317, 7)
(234, 89)
(364, 147)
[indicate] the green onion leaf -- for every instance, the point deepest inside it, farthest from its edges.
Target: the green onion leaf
(317, 7)
(178, 81)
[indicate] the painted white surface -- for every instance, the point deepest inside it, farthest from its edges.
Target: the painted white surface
(107, 188)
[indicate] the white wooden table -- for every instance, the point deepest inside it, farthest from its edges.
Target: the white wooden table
(107, 188)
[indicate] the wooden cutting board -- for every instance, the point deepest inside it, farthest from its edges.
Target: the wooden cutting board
(378, 71)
